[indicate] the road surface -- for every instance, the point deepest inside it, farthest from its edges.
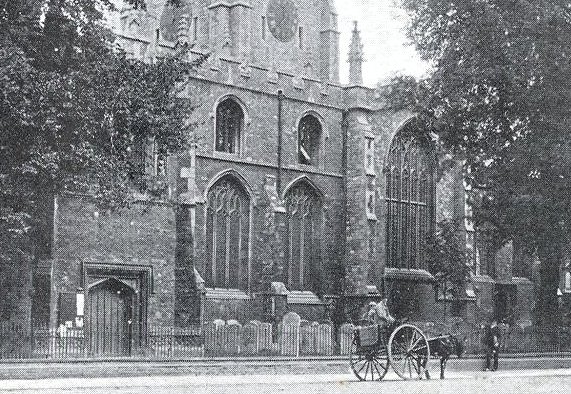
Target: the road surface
(500, 382)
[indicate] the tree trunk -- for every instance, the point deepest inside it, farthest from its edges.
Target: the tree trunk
(16, 283)
(445, 301)
(547, 307)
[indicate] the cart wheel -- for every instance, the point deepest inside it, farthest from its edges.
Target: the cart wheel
(409, 352)
(368, 364)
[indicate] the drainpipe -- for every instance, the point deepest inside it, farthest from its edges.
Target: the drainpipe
(345, 131)
(343, 246)
(280, 136)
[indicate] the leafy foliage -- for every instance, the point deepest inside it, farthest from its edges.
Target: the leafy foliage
(498, 95)
(446, 257)
(76, 110)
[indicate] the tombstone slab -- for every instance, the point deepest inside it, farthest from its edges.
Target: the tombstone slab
(265, 341)
(345, 338)
(290, 334)
(324, 340)
(250, 338)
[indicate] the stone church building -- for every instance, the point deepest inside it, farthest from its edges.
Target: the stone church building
(299, 193)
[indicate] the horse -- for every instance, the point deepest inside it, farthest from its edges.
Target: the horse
(444, 346)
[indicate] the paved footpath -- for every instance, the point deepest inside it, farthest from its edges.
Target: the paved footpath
(504, 382)
(204, 367)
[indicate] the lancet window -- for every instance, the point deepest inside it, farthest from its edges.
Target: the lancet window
(229, 126)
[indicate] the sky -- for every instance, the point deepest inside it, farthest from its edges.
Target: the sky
(384, 42)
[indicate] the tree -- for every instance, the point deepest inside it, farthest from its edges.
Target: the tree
(75, 111)
(498, 95)
(446, 260)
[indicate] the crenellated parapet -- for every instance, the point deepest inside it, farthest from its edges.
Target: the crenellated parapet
(239, 73)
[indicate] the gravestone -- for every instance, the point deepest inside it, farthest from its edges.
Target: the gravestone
(219, 322)
(289, 334)
(345, 338)
(250, 338)
(212, 345)
(265, 341)
(308, 337)
(232, 337)
(324, 341)
(291, 318)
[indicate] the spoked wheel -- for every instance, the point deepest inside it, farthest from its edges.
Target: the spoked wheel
(369, 364)
(409, 352)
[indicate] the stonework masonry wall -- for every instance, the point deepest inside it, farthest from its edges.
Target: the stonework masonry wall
(236, 29)
(484, 288)
(503, 263)
(240, 29)
(170, 236)
(357, 247)
(524, 301)
(262, 220)
(141, 235)
(259, 139)
(385, 124)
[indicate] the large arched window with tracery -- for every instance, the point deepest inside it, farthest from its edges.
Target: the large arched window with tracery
(309, 137)
(303, 253)
(229, 126)
(410, 196)
(227, 235)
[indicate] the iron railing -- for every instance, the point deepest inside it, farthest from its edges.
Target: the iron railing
(231, 339)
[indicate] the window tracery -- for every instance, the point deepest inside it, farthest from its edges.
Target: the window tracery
(227, 234)
(303, 229)
(410, 196)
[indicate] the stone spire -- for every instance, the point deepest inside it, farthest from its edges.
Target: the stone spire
(356, 58)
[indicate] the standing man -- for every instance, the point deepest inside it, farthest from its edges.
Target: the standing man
(504, 329)
(492, 343)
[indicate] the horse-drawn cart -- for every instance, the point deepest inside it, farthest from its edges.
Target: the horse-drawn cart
(376, 348)
(403, 347)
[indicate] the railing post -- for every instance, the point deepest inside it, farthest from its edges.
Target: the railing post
(31, 341)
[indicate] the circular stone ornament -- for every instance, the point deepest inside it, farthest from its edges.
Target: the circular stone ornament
(282, 18)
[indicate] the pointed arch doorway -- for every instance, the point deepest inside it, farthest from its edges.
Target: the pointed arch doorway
(116, 303)
(111, 313)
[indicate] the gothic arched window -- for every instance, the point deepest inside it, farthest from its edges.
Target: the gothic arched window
(303, 253)
(410, 196)
(227, 235)
(309, 136)
(229, 126)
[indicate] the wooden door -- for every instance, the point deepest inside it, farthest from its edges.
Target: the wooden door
(504, 302)
(110, 318)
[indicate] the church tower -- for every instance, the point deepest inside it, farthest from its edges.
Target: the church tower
(294, 36)
(329, 43)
